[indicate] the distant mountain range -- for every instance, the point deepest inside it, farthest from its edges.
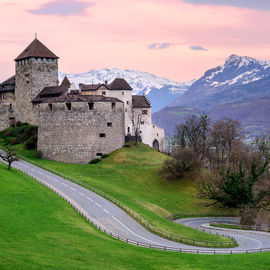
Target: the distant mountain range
(239, 78)
(239, 89)
(160, 91)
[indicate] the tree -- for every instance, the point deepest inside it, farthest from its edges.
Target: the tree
(224, 135)
(182, 160)
(136, 119)
(194, 134)
(9, 156)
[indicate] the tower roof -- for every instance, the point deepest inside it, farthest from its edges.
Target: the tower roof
(120, 84)
(65, 82)
(36, 49)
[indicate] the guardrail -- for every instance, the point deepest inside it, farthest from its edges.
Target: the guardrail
(84, 213)
(243, 227)
(173, 237)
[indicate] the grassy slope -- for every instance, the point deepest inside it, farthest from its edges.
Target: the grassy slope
(131, 175)
(39, 230)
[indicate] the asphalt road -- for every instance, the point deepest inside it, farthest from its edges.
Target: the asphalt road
(115, 220)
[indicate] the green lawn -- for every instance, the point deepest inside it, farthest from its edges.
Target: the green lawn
(131, 175)
(39, 230)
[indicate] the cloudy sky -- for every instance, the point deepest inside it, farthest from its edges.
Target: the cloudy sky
(178, 39)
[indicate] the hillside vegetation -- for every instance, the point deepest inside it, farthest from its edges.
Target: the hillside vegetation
(132, 176)
(40, 231)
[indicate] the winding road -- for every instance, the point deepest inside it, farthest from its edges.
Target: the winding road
(115, 221)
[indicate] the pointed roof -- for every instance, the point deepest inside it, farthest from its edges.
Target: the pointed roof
(65, 82)
(8, 85)
(36, 49)
(120, 84)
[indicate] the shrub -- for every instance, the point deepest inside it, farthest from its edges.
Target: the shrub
(31, 143)
(95, 161)
(183, 160)
(127, 145)
(18, 123)
(105, 156)
(39, 154)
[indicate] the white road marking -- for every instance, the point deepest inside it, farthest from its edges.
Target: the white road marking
(55, 180)
(97, 204)
(105, 211)
(64, 184)
(134, 232)
(89, 199)
(73, 189)
(81, 194)
(260, 243)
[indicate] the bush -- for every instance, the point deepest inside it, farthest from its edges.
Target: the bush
(39, 154)
(95, 161)
(127, 145)
(105, 156)
(18, 123)
(31, 143)
(183, 160)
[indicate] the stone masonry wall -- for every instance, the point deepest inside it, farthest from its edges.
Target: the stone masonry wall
(7, 116)
(32, 75)
(73, 136)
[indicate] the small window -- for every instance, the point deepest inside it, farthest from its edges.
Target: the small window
(140, 131)
(157, 134)
(144, 111)
(91, 106)
(68, 106)
(142, 122)
(102, 135)
(128, 129)
(50, 106)
(109, 124)
(127, 102)
(123, 93)
(113, 105)
(10, 106)
(98, 154)
(104, 93)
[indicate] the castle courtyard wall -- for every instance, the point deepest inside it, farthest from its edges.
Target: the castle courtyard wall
(73, 136)
(7, 115)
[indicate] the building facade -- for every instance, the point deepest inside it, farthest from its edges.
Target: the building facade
(75, 125)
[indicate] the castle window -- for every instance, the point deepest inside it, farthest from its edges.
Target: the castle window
(68, 106)
(123, 93)
(102, 135)
(91, 106)
(104, 93)
(36, 59)
(98, 154)
(113, 105)
(157, 134)
(109, 124)
(53, 61)
(128, 129)
(142, 122)
(50, 106)
(26, 61)
(10, 106)
(127, 102)
(144, 111)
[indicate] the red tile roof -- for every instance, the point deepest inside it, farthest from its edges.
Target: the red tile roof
(36, 49)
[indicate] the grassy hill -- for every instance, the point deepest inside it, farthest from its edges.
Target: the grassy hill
(40, 231)
(132, 176)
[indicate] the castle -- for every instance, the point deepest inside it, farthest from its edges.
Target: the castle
(75, 125)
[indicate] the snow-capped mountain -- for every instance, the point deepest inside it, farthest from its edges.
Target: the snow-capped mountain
(161, 91)
(239, 78)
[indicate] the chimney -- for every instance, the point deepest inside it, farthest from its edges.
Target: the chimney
(106, 82)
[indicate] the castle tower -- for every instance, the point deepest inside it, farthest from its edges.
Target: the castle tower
(36, 68)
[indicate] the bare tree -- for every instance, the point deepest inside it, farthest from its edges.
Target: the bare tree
(194, 134)
(9, 156)
(224, 135)
(136, 119)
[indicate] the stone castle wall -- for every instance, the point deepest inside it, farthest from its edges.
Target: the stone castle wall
(32, 75)
(7, 116)
(73, 136)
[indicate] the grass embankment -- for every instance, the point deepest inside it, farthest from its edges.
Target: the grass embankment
(40, 231)
(131, 175)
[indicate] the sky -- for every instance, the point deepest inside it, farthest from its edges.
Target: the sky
(176, 39)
